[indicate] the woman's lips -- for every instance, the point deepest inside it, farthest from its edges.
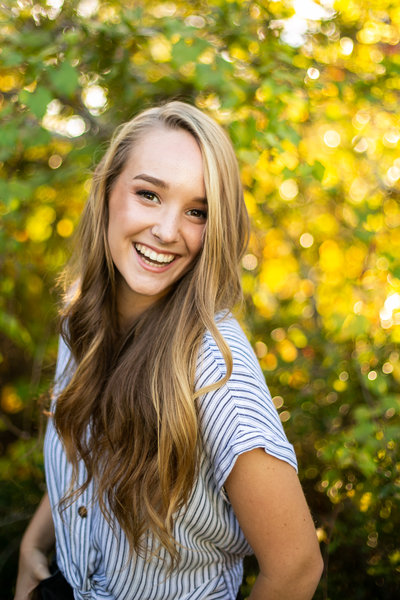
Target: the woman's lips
(151, 258)
(158, 257)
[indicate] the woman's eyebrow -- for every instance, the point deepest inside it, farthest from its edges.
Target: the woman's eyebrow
(162, 184)
(154, 180)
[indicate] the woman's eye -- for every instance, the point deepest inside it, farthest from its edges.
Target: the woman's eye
(148, 195)
(198, 213)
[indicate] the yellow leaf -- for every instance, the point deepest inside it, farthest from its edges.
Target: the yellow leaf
(330, 256)
(10, 401)
(160, 49)
(287, 350)
(365, 501)
(65, 228)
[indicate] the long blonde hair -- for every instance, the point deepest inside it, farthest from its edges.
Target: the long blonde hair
(129, 410)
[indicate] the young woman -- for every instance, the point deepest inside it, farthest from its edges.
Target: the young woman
(166, 462)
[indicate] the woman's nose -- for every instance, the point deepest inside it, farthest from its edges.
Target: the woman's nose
(167, 227)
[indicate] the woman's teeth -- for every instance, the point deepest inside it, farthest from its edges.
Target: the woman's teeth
(154, 257)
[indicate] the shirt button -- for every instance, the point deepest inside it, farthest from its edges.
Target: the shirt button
(82, 512)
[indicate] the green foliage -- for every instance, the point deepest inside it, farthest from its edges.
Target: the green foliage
(317, 133)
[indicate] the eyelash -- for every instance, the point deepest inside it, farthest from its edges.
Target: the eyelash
(201, 214)
(146, 193)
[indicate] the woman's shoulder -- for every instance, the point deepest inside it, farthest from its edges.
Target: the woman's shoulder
(238, 415)
(64, 368)
(243, 356)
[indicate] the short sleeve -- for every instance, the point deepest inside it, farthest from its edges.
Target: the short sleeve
(240, 415)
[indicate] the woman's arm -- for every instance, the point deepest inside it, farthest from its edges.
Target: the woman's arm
(269, 504)
(36, 543)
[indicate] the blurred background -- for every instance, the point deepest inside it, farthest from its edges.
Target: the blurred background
(309, 93)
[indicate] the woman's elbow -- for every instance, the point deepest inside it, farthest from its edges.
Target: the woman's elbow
(317, 566)
(294, 579)
(310, 569)
(305, 570)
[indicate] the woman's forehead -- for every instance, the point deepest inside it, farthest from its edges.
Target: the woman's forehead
(166, 154)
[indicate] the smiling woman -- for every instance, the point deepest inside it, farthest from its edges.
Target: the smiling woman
(166, 461)
(156, 232)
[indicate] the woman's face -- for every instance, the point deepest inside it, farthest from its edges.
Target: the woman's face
(157, 217)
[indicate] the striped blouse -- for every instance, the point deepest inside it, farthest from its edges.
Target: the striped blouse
(235, 418)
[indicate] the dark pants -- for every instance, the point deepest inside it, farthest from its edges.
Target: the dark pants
(55, 587)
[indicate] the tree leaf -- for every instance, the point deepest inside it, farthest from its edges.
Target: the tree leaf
(37, 100)
(64, 79)
(318, 170)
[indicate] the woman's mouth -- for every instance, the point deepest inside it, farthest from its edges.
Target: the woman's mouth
(153, 258)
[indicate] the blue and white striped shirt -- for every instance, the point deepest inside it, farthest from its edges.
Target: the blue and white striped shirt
(235, 418)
